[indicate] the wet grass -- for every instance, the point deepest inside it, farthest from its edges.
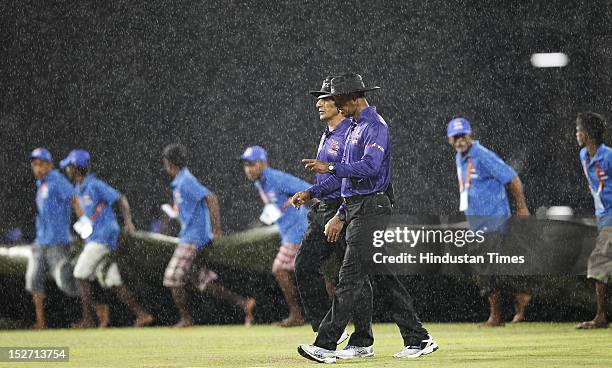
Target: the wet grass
(461, 345)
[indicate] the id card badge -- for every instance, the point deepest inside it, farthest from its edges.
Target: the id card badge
(463, 201)
(599, 207)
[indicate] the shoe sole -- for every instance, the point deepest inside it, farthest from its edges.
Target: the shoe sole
(305, 354)
(430, 349)
(356, 357)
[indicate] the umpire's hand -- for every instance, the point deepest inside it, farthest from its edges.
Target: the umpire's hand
(316, 166)
(333, 229)
(300, 198)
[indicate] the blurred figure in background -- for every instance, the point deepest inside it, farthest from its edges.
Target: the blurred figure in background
(13, 235)
(276, 189)
(197, 209)
(482, 179)
(55, 198)
(100, 230)
(596, 159)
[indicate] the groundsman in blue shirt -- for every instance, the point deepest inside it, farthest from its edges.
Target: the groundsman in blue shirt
(55, 198)
(483, 177)
(276, 189)
(197, 209)
(596, 160)
(98, 199)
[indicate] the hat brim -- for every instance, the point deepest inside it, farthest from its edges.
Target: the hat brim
(367, 89)
(65, 162)
(42, 158)
(317, 93)
(454, 134)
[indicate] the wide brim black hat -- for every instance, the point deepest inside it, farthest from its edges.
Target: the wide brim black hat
(346, 84)
(325, 88)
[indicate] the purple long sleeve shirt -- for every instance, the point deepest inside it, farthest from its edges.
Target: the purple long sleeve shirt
(331, 149)
(366, 163)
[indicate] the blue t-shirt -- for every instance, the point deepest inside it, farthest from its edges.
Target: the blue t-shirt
(488, 208)
(278, 187)
(598, 170)
(54, 209)
(97, 199)
(190, 200)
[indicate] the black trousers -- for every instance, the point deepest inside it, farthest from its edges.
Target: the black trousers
(313, 252)
(366, 214)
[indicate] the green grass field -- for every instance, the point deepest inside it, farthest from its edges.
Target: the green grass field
(461, 345)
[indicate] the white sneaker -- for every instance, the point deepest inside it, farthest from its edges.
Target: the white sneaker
(317, 354)
(352, 352)
(427, 346)
(343, 337)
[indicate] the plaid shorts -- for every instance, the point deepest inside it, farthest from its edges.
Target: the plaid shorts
(180, 267)
(285, 258)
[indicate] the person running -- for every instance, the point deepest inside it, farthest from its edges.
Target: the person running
(197, 209)
(100, 230)
(596, 159)
(276, 189)
(55, 197)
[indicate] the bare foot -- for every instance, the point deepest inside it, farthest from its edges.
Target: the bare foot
(292, 321)
(184, 323)
(595, 323)
(493, 322)
(144, 319)
(248, 307)
(40, 325)
(84, 323)
(103, 314)
(522, 300)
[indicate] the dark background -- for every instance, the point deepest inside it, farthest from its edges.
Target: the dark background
(124, 78)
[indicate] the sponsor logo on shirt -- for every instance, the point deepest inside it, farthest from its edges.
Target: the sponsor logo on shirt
(375, 145)
(334, 146)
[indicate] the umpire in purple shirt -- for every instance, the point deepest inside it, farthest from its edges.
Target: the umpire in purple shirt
(316, 248)
(365, 171)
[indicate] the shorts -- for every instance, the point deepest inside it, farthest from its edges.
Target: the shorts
(52, 259)
(285, 258)
(181, 265)
(600, 261)
(94, 262)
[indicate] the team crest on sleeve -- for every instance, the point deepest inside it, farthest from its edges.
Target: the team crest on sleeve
(177, 197)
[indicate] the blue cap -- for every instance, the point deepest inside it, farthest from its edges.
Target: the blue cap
(76, 157)
(41, 154)
(458, 126)
(255, 153)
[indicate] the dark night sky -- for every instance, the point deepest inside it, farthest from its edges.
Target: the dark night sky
(124, 78)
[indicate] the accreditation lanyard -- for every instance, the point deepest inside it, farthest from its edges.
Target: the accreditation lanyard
(596, 194)
(463, 189)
